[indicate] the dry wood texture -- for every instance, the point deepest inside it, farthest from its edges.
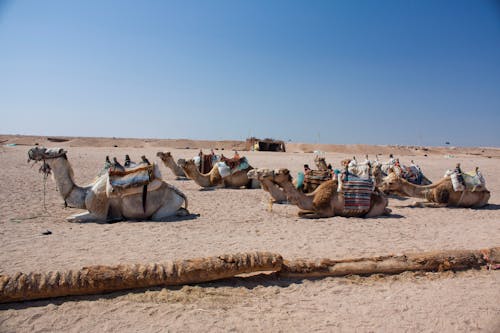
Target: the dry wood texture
(100, 279)
(392, 264)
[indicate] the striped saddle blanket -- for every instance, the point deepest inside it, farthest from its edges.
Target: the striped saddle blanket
(357, 194)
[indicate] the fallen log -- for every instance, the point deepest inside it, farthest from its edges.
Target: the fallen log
(392, 264)
(101, 279)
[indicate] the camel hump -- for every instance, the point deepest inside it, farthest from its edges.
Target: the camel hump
(133, 177)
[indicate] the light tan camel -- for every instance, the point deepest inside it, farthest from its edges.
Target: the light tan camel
(439, 194)
(276, 192)
(235, 180)
(169, 162)
(163, 200)
(325, 201)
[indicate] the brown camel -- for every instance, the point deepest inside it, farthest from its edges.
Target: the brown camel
(439, 194)
(236, 179)
(325, 201)
(277, 194)
(169, 162)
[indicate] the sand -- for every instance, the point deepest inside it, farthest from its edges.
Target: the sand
(239, 220)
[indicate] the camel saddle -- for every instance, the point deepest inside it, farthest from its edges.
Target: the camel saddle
(229, 166)
(357, 194)
(236, 163)
(131, 177)
(474, 181)
(205, 162)
(412, 174)
(317, 176)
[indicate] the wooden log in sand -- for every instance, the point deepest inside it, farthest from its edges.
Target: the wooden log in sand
(101, 279)
(392, 264)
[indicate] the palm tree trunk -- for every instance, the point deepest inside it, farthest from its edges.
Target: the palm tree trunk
(101, 279)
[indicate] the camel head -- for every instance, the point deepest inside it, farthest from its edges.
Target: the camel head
(377, 174)
(43, 154)
(163, 156)
(276, 176)
(183, 163)
(391, 183)
(260, 173)
(40, 153)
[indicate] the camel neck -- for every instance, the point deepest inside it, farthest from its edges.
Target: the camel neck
(416, 191)
(201, 179)
(73, 195)
(169, 162)
(296, 197)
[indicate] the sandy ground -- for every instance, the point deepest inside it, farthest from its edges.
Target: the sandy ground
(239, 220)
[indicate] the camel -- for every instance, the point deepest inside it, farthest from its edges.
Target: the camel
(439, 194)
(320, 163)
(366, 169)
(236, 179)
(277, 194)
(325, 201)
(156, 202)
(169, 162)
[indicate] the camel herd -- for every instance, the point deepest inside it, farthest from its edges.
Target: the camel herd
(139, 193)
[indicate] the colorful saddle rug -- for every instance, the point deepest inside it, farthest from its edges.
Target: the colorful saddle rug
(228, 167)
(357, 194)
(412, 174)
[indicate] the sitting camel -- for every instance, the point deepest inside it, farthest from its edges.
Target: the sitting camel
(439, 194)
(236, 179)
(169, 162)
(155, 201)
(277, 194)
(325, 201)
(366, 169)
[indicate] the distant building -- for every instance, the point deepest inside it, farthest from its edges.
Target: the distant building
(265, 144)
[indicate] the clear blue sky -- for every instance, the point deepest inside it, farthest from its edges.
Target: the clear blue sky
(381, 72)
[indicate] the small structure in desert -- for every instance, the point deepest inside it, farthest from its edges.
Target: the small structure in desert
(265, 144)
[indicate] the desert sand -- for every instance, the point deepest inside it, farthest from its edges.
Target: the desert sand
(229, 221)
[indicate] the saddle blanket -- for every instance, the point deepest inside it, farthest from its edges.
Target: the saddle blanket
(225, 170)
(357, 194)
(412, 174)
(134, 177)
(473, 181)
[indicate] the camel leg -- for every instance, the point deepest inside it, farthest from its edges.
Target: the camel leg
(255, 183)
(85, 217)
(426, 204)
(172, 207)
(308, 214)
(379, 206)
